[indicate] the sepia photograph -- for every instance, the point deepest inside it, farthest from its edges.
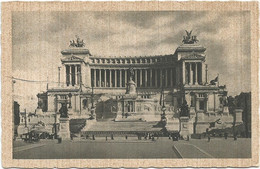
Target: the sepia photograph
(131, 84)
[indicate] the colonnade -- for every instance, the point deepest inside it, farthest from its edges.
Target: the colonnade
(73, 74)
(154, 78)
(192, 73)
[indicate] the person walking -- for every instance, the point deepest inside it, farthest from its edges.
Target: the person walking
(106, 138)
(208, 138)
(235, 136)
(126, 137)
(112, 137)
(225, 135)
(93, 137)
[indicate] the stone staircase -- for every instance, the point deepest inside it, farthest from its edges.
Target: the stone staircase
(76, 125)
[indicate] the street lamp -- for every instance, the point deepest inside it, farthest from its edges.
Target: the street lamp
(70, 95)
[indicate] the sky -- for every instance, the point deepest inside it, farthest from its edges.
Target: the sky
(39, 37)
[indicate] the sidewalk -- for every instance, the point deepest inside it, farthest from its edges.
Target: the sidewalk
(116, 140)
(27, 147)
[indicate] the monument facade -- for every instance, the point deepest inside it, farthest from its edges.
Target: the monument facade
(130, 89)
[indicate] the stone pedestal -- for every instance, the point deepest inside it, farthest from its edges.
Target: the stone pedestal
(64, 132)
(38, 111)
(184, 127)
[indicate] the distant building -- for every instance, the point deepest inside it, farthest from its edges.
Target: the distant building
(183, 76)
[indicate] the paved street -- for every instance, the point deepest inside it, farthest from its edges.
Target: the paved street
(133, 148)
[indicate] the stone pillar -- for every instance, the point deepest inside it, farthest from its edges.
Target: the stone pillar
(146, 79)
(183, 73)
(76, 74)
(156, 77)
(126, 77)
(171, 78)
(141, 79)
(94, 78)
(166, 78)
(184, 127)
(88, 76)
(115, 71)
(151, 78)
(99, 70)
(161, 79)
(105, 78)
(196, 73)
(136, 77)
(120, 78)
(177, 75)
(190, 74)
(110, 77)
(71, 75)
(64, 132)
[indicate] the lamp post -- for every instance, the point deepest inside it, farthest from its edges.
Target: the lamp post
(70, 95)
(163, 118)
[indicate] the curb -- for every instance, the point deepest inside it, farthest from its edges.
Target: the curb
(177, 151)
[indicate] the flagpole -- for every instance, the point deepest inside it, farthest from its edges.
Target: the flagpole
(218, 80)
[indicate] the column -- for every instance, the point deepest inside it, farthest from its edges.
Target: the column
(110, 77)
(115, 71)
(202, 73)
(161, 78)
(94, 78)
(141, 79)
(166, 78)
(71, 75)
(76, 74)
(196, 73)
(120, 78)
(105, 77)
(156, 77)
(151, 78)
(136, 77)
(125, 77)
(183, 72)
(146, 79)
(171, 78)
(79, 74)
(99, 70)
(190, 74)
(67, 75)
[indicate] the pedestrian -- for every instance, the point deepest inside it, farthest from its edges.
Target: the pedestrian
(106, 138)
(126, 137)
(93, 137)
(235, 136)
(112, 137)
(226, 135)
(208, 138)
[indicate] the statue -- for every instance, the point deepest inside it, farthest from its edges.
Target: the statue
(184, 110)
(188, 39)
(78, 43)
(63, 111)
